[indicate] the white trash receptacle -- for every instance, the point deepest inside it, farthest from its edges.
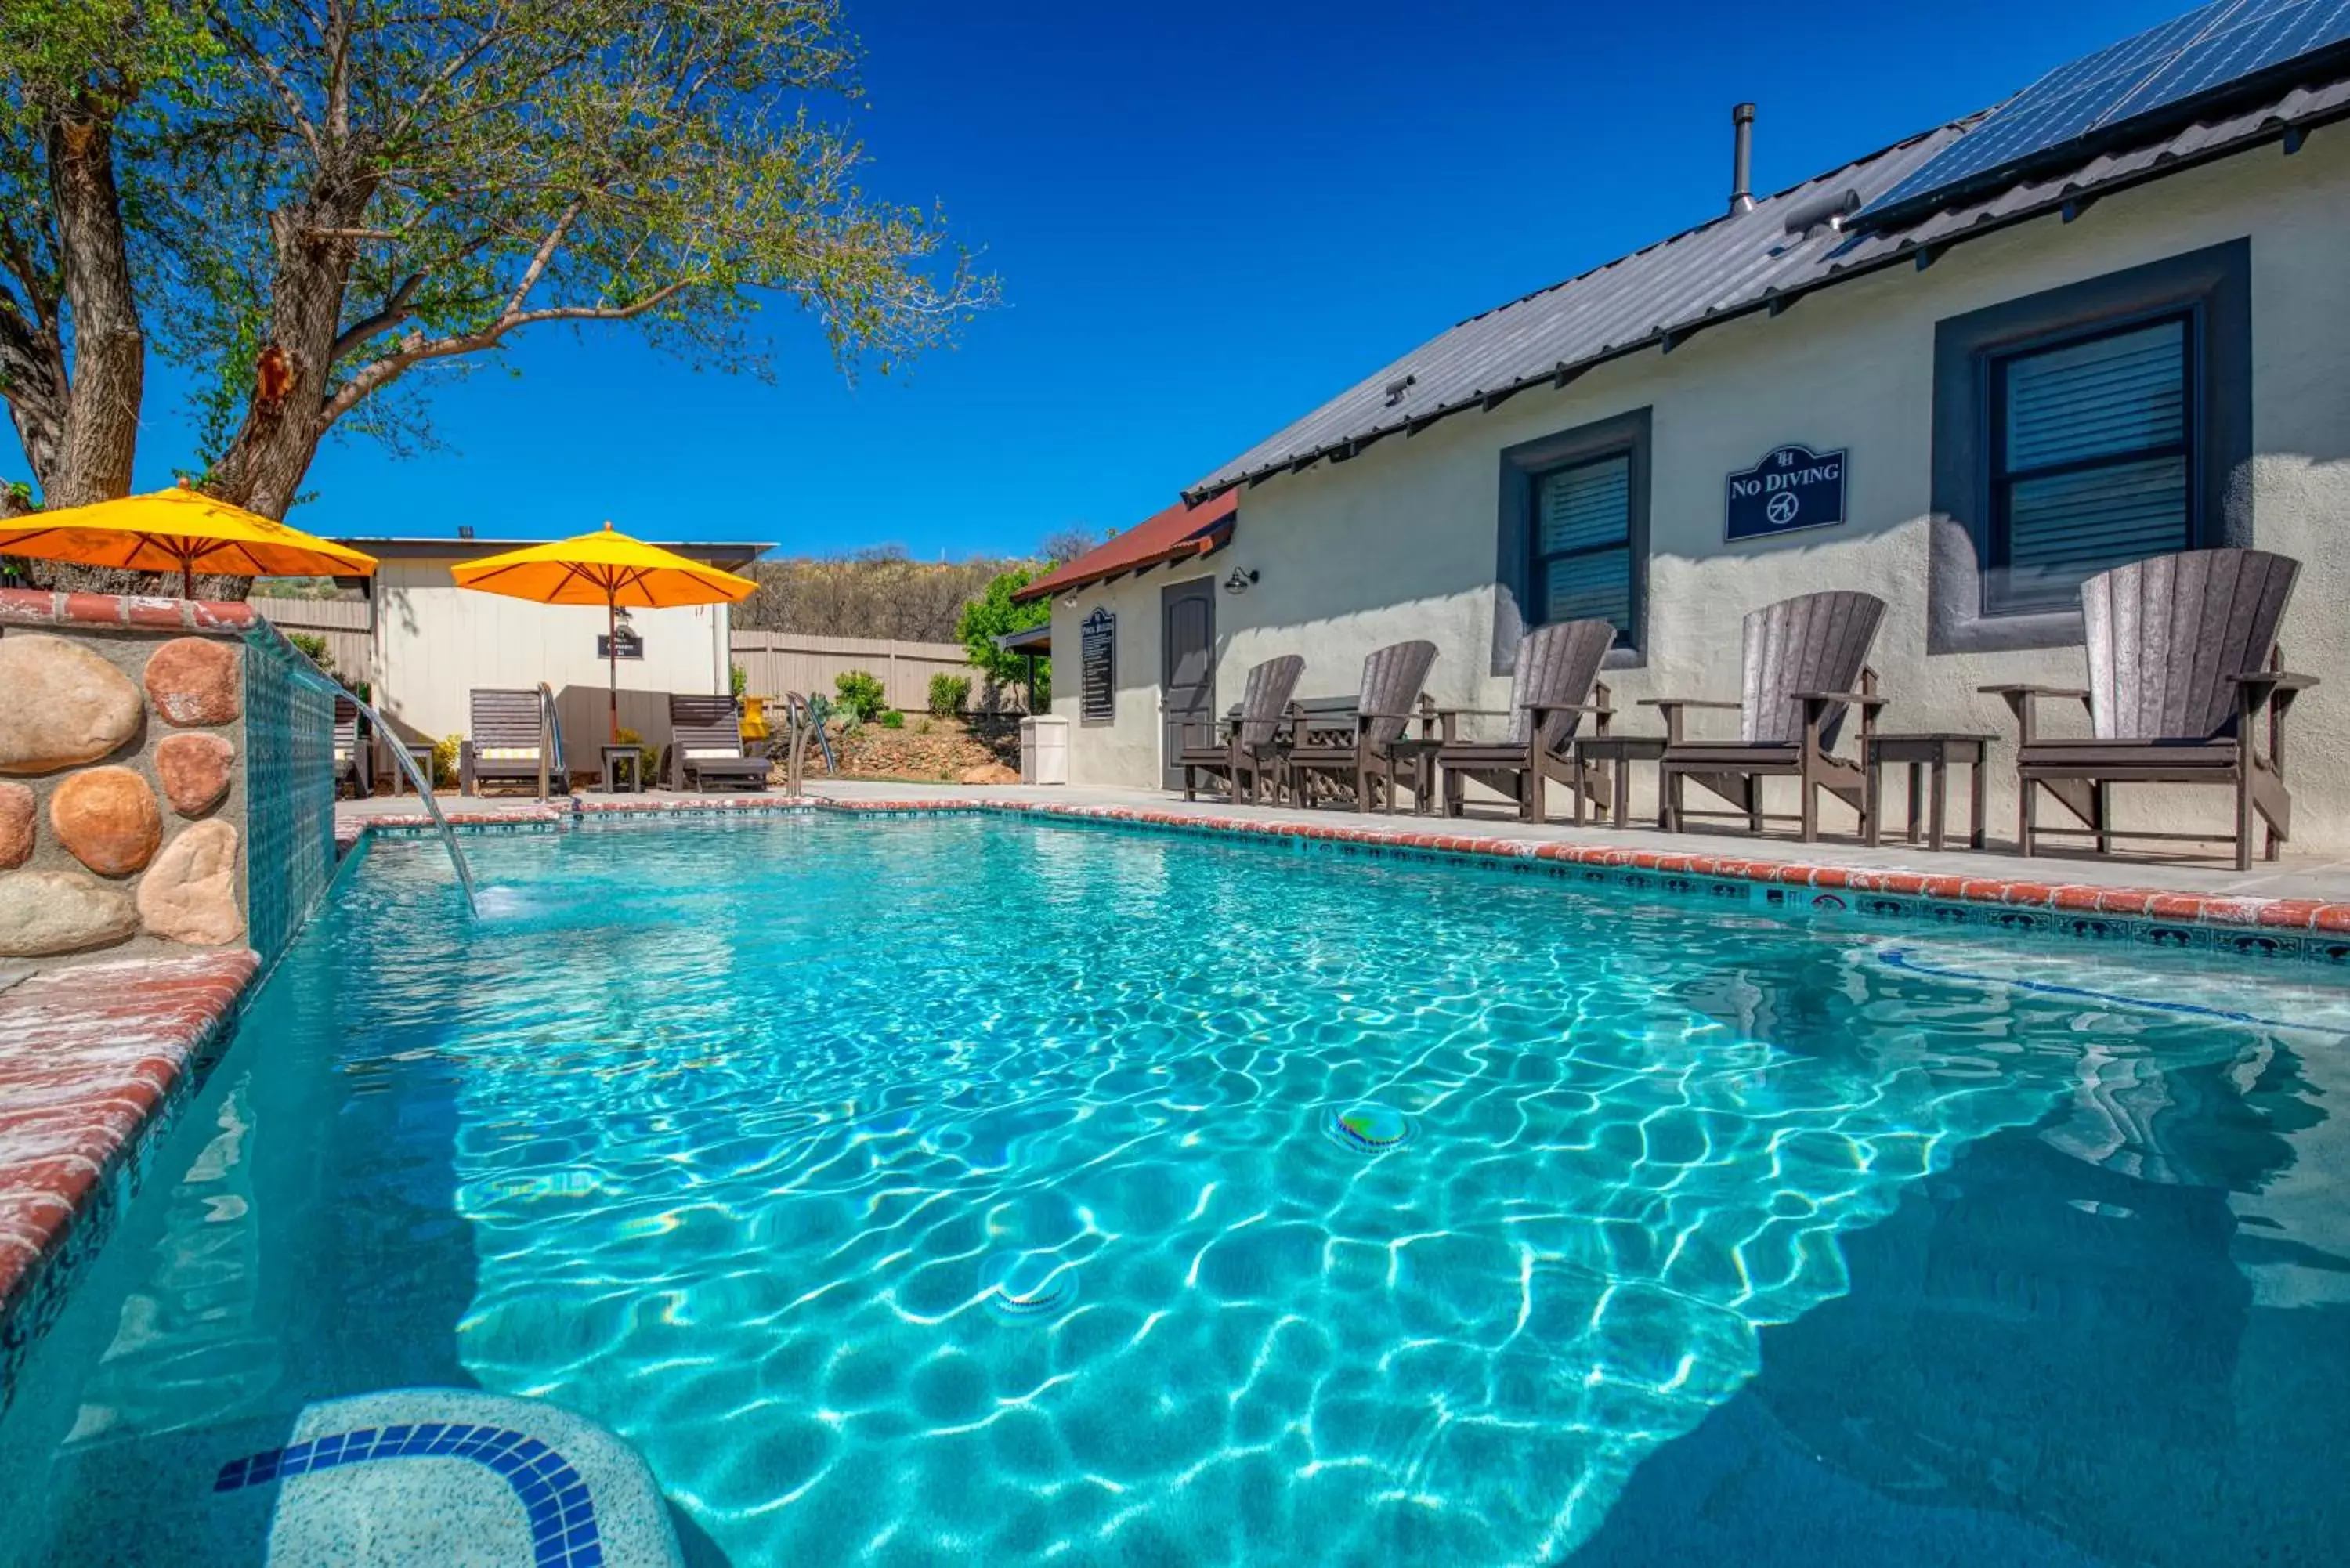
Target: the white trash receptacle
(1045, 749)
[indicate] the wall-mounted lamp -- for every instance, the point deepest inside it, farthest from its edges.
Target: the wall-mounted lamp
(622, 625)
(1241, 581)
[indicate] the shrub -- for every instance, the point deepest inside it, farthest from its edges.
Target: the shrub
(861, 693)
(993, 614)
(949, 693)
(648, 768)
(444, 760)
(314, 645)
(892, 719)
(738, 680)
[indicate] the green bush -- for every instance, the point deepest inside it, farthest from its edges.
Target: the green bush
(861, 694)
(949, 693)
(444, 760)
(892, 719)
(738, 680)
(313, 644)
(990, 615)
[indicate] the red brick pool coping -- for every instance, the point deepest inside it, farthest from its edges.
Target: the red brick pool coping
(2233, 912)
(93, 1054)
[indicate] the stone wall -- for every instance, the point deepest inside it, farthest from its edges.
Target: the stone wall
(127, 744)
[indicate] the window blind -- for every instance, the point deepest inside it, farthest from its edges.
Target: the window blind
(1584, 533)
(2092, 458)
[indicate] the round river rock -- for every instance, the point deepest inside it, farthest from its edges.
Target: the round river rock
(193, 681)
(107, 818)
(45, 912)
(16, 816)
(190, 894)
(60, 704)
(194, 770)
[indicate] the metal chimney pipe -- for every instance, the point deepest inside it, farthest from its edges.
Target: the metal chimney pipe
(1741, 159)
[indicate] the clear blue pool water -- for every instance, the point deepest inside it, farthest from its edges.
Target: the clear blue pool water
(930, 1191)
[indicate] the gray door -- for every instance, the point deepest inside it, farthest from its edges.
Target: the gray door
(1187, 669)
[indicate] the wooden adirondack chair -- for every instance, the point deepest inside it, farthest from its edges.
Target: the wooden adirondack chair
(706, 745)
(2183, 676)
(504, 743)
(1805, 664)
(1256, 738)
(1370, 759)
(352, 759)
(1556, 668)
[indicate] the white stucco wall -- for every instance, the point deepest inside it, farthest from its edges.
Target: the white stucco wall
(1400, 541)
(1125, 750)
(436, 642)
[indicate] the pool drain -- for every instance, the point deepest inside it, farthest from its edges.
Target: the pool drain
(1369, 1128)
(1021, 1286)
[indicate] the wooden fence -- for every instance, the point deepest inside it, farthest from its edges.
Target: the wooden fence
(778, 661)
(347, 625)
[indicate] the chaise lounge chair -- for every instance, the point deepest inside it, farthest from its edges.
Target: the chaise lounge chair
(1371, 761)
(1257, 736)
(506, 743)
(706, 745)
(2182, 673)
(353, 759)
(1556, 668)
(1804, 663)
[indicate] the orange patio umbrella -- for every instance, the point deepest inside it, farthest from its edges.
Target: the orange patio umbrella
(606, 569)
(179, 529)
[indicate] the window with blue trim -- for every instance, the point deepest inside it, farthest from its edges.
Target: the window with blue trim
(2092, 450)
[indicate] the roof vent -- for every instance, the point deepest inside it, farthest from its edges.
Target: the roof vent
(1830, 208)
(1741, 159)
(1396, 389)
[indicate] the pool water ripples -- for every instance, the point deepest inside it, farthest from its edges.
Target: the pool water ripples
(940, 1189)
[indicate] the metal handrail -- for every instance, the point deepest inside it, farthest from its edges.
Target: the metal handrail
(424, 792)
(550, 741)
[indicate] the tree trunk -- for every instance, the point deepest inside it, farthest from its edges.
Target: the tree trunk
(99, 433)
(272, 448)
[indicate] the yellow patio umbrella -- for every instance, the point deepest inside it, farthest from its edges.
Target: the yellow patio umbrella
(182, 528)
(606, 569)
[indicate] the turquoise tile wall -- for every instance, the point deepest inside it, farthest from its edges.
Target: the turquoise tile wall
(289, 744)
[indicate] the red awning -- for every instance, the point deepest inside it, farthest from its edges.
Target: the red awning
(1177, 533)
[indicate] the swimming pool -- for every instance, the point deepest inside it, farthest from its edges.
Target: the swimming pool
(910, 1190)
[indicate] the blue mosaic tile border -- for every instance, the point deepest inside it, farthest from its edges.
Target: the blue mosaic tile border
(289, 789)
(562, 1513)
(2328, 950)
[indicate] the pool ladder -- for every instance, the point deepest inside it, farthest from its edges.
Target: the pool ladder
(433, 807)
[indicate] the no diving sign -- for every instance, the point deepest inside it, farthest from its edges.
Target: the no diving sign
(1793, 487)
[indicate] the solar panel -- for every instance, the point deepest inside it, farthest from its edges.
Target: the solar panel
(2162, 68)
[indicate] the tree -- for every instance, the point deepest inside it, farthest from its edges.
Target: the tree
(323, 202)
(993, 615)
(1064, 545)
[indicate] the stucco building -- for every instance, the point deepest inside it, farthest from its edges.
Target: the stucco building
(2136, 342)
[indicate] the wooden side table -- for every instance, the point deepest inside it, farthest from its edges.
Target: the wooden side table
(1618, 752)
(421, 754)
(620, 759)
(1928, 757)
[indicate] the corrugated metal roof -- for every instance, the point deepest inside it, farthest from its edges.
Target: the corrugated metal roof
(1735, 264)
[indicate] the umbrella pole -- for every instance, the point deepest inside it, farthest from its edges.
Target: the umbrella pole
(612, 656)
(188, 575)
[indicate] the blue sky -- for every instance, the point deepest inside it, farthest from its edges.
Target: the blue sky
(1209, 218)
